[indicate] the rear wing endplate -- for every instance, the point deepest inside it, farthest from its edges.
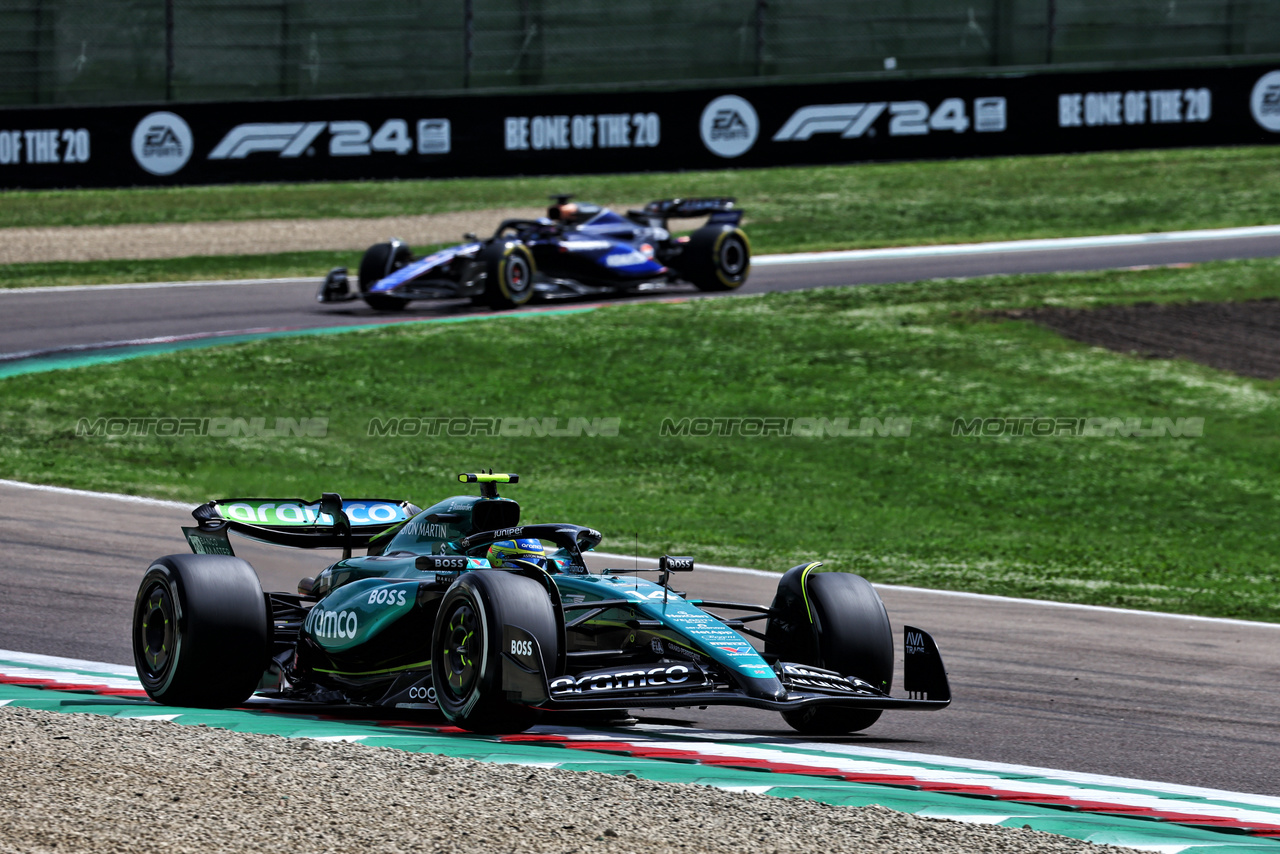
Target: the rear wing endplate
(330, 522)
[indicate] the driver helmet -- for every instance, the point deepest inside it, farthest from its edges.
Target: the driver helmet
(510, 554)
(562, 211)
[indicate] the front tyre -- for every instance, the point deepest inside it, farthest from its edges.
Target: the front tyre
(716, 258)
(509, 270)
(838, 622)
(201, 631)
(467, 653)
(381, 260)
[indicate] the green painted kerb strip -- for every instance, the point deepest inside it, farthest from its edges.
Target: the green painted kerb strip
(1104, 829)
(65, 361)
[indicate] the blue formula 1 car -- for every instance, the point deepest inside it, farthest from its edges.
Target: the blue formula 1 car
(575, 250)
(462, 609)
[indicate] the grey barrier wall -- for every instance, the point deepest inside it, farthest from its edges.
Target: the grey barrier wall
(132, 51)
(709, 128)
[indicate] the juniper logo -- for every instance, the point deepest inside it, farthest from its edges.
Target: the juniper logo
(729, 126)
(162, 143)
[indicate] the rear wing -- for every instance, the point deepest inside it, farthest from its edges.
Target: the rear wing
(330, 522)
(720, 209)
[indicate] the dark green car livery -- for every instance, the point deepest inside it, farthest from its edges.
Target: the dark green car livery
(423, 621)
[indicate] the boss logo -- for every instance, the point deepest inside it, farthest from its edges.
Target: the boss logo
(672, 563)
(521, 647)
(385, 596)
(440, 563)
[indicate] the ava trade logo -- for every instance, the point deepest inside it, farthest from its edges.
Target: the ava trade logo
(729, 126)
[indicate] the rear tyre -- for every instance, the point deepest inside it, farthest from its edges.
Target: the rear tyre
(509, 280)
(374, 267)
(716, 258)
(466, 648)
(201, 631)
(848, 631)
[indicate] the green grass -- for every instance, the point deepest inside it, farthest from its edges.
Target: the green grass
(795, 208)
(1177, 524)
(191, 269)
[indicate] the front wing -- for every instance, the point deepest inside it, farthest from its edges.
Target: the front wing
(686, 683)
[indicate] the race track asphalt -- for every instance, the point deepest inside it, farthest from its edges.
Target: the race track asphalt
(1121, 693)
(46, 320)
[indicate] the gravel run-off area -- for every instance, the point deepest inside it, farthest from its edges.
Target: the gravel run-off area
(251, 237)
(90, 783)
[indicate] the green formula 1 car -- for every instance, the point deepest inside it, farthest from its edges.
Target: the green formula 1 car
(460, 608)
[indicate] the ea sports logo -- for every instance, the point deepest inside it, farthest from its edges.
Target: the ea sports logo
(729, 126)
(162, 143)
(1264, 103)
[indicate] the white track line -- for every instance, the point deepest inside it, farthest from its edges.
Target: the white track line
(1097, 242)
(84, 493)
(736, 570)
(893, 252)
(151, 285)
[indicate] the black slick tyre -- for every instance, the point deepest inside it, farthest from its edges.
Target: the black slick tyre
(716, 258)
(380, 260)
(849, 632)
(201, 631)
(467, 652)
(509, 272)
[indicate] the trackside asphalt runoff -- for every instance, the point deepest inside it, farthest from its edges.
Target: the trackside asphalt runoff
(1094, 808)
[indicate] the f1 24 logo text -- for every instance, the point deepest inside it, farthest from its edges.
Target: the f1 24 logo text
(346, 138)
(905, 118)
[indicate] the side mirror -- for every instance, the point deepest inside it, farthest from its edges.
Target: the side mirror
(668, 563)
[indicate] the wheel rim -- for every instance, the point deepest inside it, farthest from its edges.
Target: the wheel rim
(517, 275)
(461, 650)
(733, 256)
(156, 630)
